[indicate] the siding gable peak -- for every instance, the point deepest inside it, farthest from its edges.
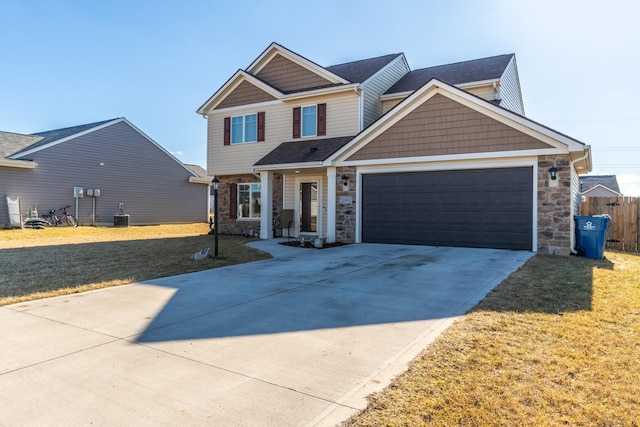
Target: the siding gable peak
(276, 49)
(434, 87)
(262, 91)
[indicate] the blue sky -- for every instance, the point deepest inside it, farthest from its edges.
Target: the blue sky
(65, 63)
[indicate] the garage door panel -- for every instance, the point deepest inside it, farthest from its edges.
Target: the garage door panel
(479, 208)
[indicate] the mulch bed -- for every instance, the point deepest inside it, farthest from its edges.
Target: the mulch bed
(309, 245)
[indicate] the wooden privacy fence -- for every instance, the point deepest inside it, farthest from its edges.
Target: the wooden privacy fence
(623, 230)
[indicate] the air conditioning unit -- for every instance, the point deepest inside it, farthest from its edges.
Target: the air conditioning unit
(121, 220)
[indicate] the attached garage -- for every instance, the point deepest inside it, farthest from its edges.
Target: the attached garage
(482, 208)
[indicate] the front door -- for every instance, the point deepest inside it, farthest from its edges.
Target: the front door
(308, 207)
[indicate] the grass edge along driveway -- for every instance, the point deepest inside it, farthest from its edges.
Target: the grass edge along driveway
(557, 343)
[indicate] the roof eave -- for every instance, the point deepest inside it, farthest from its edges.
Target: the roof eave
(19, 164)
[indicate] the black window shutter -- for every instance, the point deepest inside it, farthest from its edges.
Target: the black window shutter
(261, 126)
(233, 201)
(322, 119)
(227, 131)
(296, 122)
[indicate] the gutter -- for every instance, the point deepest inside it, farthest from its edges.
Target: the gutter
(21, 164)
(587, 152)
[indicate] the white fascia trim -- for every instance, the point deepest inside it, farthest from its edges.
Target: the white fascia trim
(260, 62)
(602, 187)
(451, 158)
(68, 138)
(322, 91)
(396, 95)
(255, 107)
(469, 85)
(235, 81)
(289, 166)
(19, 164)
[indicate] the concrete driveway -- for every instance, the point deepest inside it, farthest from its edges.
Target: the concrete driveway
(300, 339)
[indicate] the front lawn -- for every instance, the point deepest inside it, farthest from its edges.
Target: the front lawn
(62, 260)
(557, 343)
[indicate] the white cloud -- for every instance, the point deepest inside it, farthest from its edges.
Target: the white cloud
(629, 184)
(176, 153)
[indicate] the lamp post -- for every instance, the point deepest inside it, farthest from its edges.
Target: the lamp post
(216, 184)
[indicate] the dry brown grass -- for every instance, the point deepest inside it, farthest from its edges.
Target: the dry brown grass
(55, 261)
(557, 343)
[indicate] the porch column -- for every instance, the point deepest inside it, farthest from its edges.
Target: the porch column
(331, 204)
(266, 205)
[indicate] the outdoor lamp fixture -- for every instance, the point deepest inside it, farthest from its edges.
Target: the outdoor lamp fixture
(216, 185)
(553, 173)
(345, 180)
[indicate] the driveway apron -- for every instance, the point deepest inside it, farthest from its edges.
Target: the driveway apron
(299, 339)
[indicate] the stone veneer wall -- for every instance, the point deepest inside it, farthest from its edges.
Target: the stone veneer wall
(554, 206)
(230, 225)
(346, 213)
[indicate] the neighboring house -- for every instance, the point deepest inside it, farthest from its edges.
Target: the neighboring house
(112, 156)
(370, 151)
(599, 186)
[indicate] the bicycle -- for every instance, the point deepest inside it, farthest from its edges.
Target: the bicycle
(55, 220)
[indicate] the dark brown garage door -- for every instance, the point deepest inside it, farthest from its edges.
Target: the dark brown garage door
(482, 208)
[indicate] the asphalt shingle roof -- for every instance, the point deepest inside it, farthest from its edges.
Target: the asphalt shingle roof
(11, 143)
(460, 72)
(304, 151)
(360, 71)
(589, 181)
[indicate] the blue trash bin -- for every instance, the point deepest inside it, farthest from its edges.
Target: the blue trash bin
(591, 235)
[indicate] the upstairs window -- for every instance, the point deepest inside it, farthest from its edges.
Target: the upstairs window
(242, 129)
(309, 121)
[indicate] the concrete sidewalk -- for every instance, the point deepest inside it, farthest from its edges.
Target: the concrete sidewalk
(300, 339)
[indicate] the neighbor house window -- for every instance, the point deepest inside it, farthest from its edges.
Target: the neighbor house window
(248, 201)
(247, 128)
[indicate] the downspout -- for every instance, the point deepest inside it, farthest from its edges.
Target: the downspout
(573, 223)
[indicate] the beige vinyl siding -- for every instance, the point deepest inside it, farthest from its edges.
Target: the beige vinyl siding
(342, 120)
(377, 85)
(153, 186)
(510, 92)
(390, 103)
(487, 92)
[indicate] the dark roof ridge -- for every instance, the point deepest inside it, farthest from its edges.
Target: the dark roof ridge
(366, 59)
(465, 61)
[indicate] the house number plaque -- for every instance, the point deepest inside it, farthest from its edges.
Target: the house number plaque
(345, 200)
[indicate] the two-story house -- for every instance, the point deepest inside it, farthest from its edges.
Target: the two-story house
(371, 151)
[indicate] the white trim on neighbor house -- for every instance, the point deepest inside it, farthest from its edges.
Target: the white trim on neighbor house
(20, 164)
(99, 127)
(603, 187)
(261, 61)
(433, 87)
(442, 166)
(70, 137)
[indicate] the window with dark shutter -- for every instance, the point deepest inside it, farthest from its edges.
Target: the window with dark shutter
(261, 126)
(322, 119)
(296, 122)
(227, 131)
(233, 201)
